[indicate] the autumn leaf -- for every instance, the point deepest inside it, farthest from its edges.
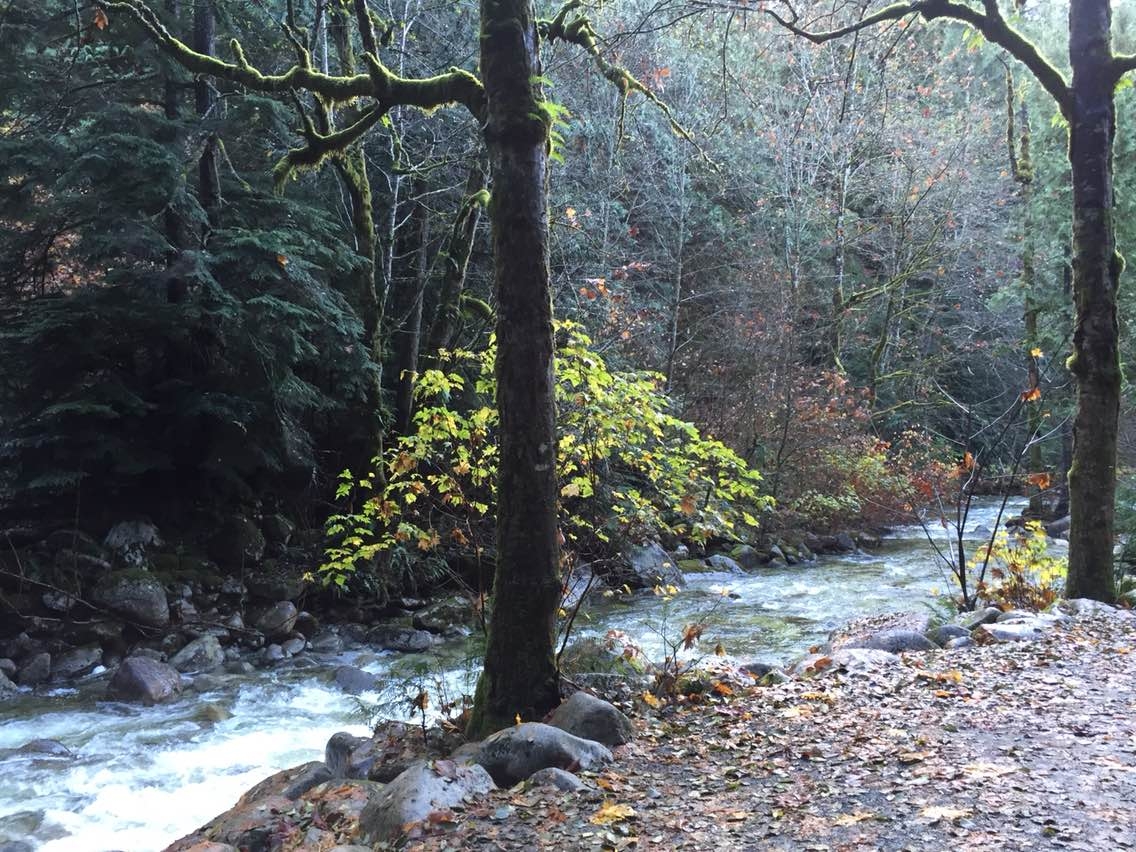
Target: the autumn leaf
(688, 506)
(722, 689)
(572, 489)
(1031, 395)
(651, 700)
(934, 813)
(968, 460)
(610, 812)
(1039, 480)
(101, 19)
(1036, 353)
(853, 818)
(691, 634)
(282, 260)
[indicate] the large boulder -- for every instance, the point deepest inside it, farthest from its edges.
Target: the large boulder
(76, 662)
(515, 753)
(35, 670)
(353, 680)
(750, 558)
(719, 562)
(944, 633)
(416, 793)
(391, 637)
(648, 565)
(279, 620)
(129, 540)
(445, 614)
(136, 595)
(201, 655)
(144, 680)
(6, 686)
(594, 719)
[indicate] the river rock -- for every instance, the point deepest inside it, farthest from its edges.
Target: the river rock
(561, 779)
(275, 581)
(594, 719)
(959, 642)
(973, 620)
(441, 615)
(895, 641)
(59, 601)
(394, 638)
(860, 631)
(1015, 631)
(76, 662)
(136, 595)
(201, 655)
(327, 642)
(16, 846)
(293, 646)
(843, 543)
(648, 565)
(515, 753)
(944, 633)
(238, 544)
(1085, 606)
(748, 557)
(718, 562)
(6, 685)
(337, 753)
(144, 680)
(864, 660)
(277, 529)
(416, 793)
(354, 680)
(35, 670)
(8, 667)
(278, 621)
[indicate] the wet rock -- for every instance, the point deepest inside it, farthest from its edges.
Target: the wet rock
(59, 601)
(148, 653)
(201, 655)
(843, 543)
(416, 793)
(749, 558)
(868, 540)
(646, 566)
(452, 611)
(337, 753)
(327, 643)
(1058, 528)
(718, 562)
(8, 667)
(239, 667)
(44, 748)
(293, 646)
(757, 668)
(21, 646)
(1015, 631)
(144, 680)
(35, 670)
(895, 641)
(515, 753)
(76, 662)
(136, 595)
(406, 639)
(960, 642)
(275, 581)
(16, 846)
(272, 655)
(307, 624)
(944, 633)
(313, 774)
(592, 718)
(279, 620)
(777, 556)
(238, 544)
(277, 529)
(559, 778)
(353, 680)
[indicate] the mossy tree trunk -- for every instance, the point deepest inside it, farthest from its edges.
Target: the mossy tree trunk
(520, 676)
(1096, 278)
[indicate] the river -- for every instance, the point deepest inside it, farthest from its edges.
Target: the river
(142, 777)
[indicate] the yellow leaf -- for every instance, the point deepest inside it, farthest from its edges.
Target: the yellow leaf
(1036, 352)
(570, 490)
(853, 818)
(650, 700)
(517, 718)
(1031, 395)
(610, 812)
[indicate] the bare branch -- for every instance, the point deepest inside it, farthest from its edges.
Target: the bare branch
(989, 22)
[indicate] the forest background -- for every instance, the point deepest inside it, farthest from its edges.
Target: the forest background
(848, 262)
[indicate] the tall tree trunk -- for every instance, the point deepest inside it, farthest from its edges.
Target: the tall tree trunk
(443, 314)
(1096, 277)
(208, 175)
(520, 676)
(406, 332)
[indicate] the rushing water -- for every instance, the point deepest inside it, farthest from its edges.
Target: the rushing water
(142, 777)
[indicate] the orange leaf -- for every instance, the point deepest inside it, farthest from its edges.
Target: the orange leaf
(721, 689)
(691, 634)
(688, 505)
(1040, 480)
(968, 461)
(282, 260)
(1031, 395)
(100, 19)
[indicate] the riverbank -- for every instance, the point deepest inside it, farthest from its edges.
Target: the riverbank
(1009, 745)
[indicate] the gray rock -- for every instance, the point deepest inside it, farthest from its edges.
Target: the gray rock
(1015, 631)
(960, 642)
(1085, 606)
(144, 680)
(76, 662)
(8, 667)
(276, 582)
(314, 774)
(395, 638)
(592, 718)
(718, 562)
(35, 670)
(777, 556)
(646, 566)
(746, 556)
(201, 655)
(293, 646)
(272, 655)
(327, 643)
(45, 748)
(136, 595)
(515, 753)
(16, 846)
(1015, 615)
(972, 620)
(279, 620)
(59, 601)
(864, 660)
(239, 667)
(559, 778)
(353, 680)
(757, 668)
(238, 544)
(233, 586)
(437, 617)
(277, 529)
(1058, 528)
(337, 753)
(895, 641)
(944, 633)
(416, 793)
(844, 543)
(148, 653)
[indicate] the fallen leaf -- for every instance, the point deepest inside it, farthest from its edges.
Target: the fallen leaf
(610, 812)
(934, 813)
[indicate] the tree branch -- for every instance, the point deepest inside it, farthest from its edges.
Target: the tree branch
(988, 22)
(454, 86)
(1123, 64)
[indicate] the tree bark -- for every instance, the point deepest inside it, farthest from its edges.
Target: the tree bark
(520, 676)
(1096, 277)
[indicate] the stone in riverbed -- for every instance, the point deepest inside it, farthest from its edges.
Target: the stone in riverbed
(515, 753)
(406, 639)
(353, 680)
(895, 641)
(973, 620)
(35, 670)
(76, 662)
(201, 655)
(416, 793)
(1015, 631)
(561, 779)
(144, 680)
(648, 565)
(594, 719)
(279, 620)
(944, 633)
(136, 595)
